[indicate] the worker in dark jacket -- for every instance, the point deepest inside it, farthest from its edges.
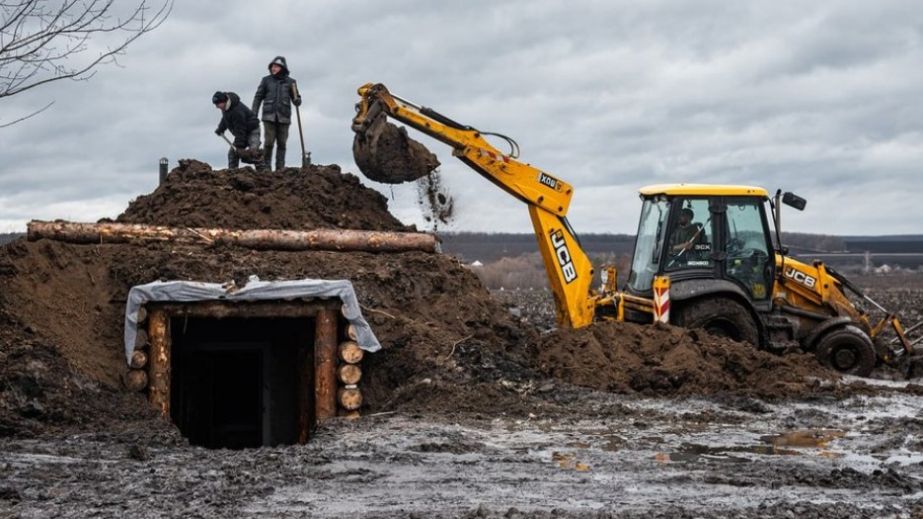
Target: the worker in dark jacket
(276, 93)
(243, 124)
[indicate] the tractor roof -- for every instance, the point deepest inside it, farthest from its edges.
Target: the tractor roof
(703, 190)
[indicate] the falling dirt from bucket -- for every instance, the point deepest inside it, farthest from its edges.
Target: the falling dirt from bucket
(384, 153)
(434, 199)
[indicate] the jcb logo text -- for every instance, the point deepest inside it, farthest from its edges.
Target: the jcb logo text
(800, 277)
(563, 254)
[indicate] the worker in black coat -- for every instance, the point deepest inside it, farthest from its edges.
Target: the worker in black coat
(276, 94)
(242, 123)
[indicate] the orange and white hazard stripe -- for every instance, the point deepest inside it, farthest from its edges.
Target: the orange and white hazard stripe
(662, 299)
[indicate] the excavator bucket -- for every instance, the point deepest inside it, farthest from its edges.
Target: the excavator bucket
(384, 153)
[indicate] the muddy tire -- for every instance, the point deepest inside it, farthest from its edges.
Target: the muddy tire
(847, 350)
(720, 316)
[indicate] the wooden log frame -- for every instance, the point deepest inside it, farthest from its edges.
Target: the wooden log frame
(141, 339)
(350, 352)
(158, 330)
(350, 398)
(136, 380)
(248, 309)
(349, 374)
(325, 365)
(350, 240)
(138, 359)
(320, 370)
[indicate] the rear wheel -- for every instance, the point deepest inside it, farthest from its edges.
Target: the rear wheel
(847, 350)
(720, 316)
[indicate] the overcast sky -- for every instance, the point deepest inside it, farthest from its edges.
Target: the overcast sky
(824, 99)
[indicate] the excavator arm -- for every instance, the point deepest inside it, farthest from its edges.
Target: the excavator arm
(569, 269)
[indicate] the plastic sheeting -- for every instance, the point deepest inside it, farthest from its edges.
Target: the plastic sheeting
(255, 290)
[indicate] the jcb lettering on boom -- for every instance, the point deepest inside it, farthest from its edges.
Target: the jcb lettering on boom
(563, 254)
(800, 277)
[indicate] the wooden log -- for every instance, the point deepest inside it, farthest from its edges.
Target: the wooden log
(142, 315)
(261, 239)
(138, 359)
(136, 380)
(158, 328)
(349, 415)
(350, 398)
(350, 352)
(249, 309)
(349, 374)
(351, 333)
(325, 362)
(141, 340)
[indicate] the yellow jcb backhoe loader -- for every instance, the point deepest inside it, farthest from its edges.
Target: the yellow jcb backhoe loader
(710, 244)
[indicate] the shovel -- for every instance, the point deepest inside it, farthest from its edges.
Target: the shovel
(305, 156)
(247, 156)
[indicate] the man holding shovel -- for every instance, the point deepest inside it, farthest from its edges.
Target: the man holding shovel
(244, 125)
(276, 93)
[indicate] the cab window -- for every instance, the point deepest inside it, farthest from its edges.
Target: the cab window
(689, 245)
(747, 250)
(651, 230)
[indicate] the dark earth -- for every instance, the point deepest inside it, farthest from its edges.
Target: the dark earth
(471, 410)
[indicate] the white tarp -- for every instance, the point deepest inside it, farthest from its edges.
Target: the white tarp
(255, 290)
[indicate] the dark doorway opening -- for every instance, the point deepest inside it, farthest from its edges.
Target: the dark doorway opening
(242, 382)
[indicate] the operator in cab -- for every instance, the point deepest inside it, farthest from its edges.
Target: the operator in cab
(686, 233)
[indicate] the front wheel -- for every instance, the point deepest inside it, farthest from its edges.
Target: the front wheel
(847, 350)
(720, 316)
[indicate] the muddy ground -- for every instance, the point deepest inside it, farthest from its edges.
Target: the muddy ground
(472, 408)
(614, 456)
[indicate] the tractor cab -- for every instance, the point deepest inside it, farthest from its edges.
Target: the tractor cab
(707, 239)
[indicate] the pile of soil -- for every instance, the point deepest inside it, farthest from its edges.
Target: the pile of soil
(448, 346)
(39, 388)
(315, 197)
(665, 360)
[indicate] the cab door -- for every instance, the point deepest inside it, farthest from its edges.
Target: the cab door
(747, 246)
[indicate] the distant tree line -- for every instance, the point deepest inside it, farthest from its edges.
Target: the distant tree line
(488, 247)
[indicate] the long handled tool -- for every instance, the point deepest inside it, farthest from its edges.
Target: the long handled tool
(305, 156)
(246, 155)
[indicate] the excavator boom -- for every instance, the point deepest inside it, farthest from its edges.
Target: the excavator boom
(381, 152)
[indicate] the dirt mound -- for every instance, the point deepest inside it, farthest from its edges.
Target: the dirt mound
(318, 196)
(39, 388)
(664, 360)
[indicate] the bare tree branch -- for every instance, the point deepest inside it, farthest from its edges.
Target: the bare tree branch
(23, 118)
(42, 41)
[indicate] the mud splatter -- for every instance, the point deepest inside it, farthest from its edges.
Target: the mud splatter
(435, 201)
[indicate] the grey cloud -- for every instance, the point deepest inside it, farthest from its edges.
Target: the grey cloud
(820, 98)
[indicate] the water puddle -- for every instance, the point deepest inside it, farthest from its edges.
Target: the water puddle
(808, 438)
(812, 442)
(569, 461)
